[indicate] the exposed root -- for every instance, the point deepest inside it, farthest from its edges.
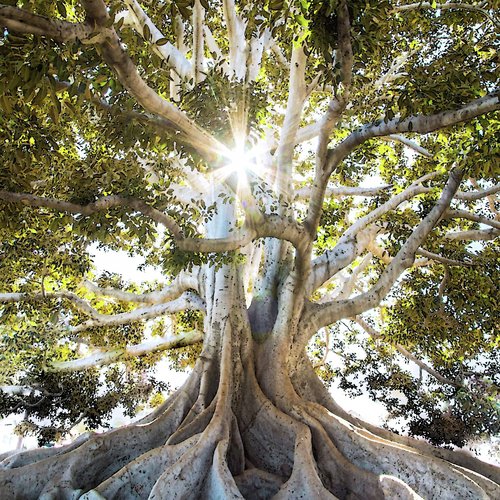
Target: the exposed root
(427, 476)
(304, 481)
(221, 436)
(258, 484)
(16, 459)
(310, 388)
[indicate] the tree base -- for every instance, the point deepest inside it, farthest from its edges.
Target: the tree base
(230, 440)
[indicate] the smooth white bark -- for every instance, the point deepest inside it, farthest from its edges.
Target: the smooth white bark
(106, 357)
(168, 52)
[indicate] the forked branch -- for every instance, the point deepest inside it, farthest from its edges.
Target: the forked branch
(325, 314)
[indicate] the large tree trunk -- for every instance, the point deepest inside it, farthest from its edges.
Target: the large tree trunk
(246, 425)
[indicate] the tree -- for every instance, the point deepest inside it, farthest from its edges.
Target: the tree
(181, 131)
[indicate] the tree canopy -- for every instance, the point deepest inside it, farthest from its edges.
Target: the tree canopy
(337, 160)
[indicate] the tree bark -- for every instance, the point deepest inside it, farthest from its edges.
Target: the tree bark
(247, 424)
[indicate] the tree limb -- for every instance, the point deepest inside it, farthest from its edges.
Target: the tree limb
(101, 204)
(167, 52)
(350, 245)
(477, 195)
(325, 314)
(115, 56)
(187, 301)
(198, 44)
(421, 124)
(474, 235)
(23, 21)
(106, 357)
(446, 6)
(182, 282)
(81, 304)
(408, 355)
(408, 143)
(464, 214)
(443, 260)
(340, 191)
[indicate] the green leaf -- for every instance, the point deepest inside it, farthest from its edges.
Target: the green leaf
(161, 41)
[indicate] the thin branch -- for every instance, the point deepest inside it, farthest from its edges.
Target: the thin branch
(491, 200)
(106, 357)
(327, 350)
(101, 204)
(477, 195)
(81, 304)
(474, 235)
(408, 355)
(446, 6)
(341, 191)
(443, 260)
(408, 143)
(350, 283)
(383, 255)
(464, 214)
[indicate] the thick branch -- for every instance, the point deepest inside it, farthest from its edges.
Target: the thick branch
(115, 56)
(187, 301)
(100, 358)
(270, 226)
(344, 51)
(22, 21)
(421, 124)
(198, 45)
(328, 313)
(291, 122)
(167, 51)
(236, 38)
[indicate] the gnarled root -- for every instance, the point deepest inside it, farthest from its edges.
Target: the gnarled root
(222, 436)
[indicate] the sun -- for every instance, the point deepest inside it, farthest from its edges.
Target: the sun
(246, 163)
